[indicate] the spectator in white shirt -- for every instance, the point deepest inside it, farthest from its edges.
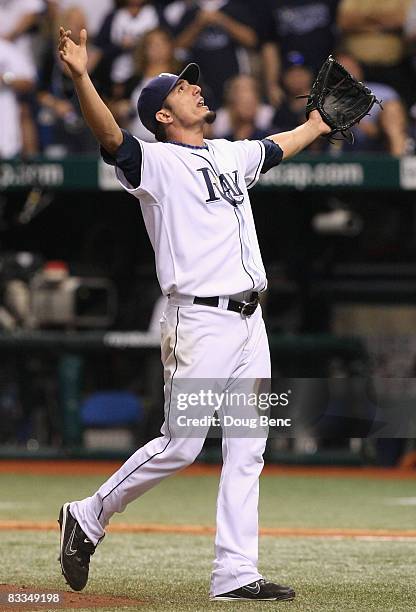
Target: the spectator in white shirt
(129, 25)
(17, 18)
(17, 76)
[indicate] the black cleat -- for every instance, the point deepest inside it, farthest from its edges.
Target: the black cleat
(75, 550)
(260, 590)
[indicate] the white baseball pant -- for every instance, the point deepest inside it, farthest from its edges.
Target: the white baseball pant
(200, 342)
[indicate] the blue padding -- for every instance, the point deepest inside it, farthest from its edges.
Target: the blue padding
(111, 408)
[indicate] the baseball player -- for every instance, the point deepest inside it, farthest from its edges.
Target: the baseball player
(193, 195)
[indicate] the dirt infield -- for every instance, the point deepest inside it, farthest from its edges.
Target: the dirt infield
(100, 468)
(24, 598)
(288, 532)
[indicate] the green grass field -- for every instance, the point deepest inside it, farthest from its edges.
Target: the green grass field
(171, 571)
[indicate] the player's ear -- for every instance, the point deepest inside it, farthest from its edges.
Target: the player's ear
(164, 116)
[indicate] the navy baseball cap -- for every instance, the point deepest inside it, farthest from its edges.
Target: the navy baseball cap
(157, 90)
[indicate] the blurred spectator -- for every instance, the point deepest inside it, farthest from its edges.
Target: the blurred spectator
(18, 19)
(290, 113)
(111, 61)
(101, 56)
(383, 130)
(77, 14)
(17, 76)
(295, 31)
(62, 129)
(373, 34)
(409, 27)
(244, 116)
(410, 35)
(153, 55)
(129, 25)
(215, 34)
(297, 81)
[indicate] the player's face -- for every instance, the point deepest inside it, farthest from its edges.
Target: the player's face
(188, 106)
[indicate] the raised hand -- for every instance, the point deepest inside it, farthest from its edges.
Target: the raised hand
(316, 118)
(74, 56)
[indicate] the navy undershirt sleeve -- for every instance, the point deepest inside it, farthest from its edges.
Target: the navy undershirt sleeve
(128, 158)
(273, 155)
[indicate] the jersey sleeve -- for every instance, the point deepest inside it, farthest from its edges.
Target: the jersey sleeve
(251, 155)
(155, 174)
(127, 158)
(273, 155)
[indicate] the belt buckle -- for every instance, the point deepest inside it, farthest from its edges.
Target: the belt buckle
(249, 308)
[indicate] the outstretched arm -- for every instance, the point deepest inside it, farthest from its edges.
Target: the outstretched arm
(96, 114)
(296, 140)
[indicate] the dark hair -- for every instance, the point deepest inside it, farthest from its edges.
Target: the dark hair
(160, 132)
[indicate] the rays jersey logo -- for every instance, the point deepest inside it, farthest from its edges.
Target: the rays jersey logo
(224, 186)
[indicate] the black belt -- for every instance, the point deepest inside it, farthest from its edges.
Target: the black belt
(246, 309)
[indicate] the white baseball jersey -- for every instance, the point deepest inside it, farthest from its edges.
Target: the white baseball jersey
(197, 212)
